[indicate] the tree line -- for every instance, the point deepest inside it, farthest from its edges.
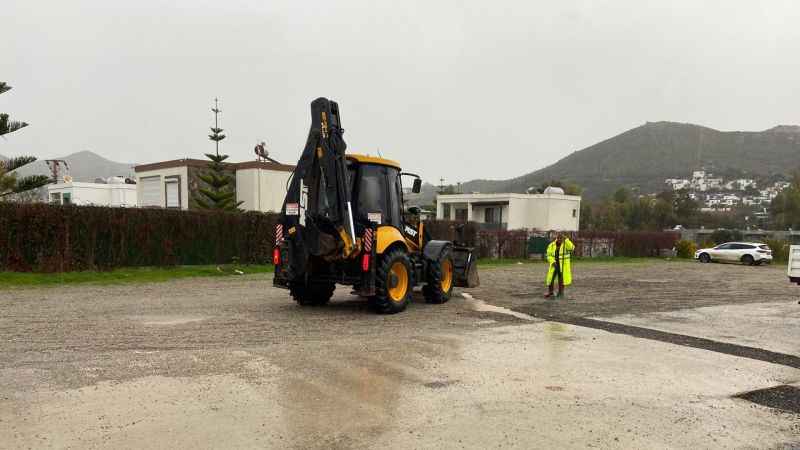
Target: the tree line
(625, 211)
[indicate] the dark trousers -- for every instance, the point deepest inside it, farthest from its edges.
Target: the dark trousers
(557, 274)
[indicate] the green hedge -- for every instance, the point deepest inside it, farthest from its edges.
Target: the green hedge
(49, 238)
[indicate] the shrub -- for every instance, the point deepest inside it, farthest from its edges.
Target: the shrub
(636, 244)
(685, 249)
(780, 249)
(52, 238)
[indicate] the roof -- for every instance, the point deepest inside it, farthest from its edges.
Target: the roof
(203, 163)
(366, 159)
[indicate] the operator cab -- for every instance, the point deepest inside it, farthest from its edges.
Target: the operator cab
(376, 188)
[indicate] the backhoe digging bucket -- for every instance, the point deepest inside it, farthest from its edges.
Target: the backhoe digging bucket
(465, 267)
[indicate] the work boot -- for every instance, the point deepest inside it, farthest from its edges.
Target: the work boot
(549, 295)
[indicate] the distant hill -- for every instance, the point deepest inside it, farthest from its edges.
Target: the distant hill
(644, 156)
(83, 166)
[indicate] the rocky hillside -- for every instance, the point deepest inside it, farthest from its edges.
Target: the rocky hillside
(646, 155)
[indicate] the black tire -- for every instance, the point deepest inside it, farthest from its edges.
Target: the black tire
(312, 294)
(748, 260)
(705, 258)
(385, 301)
(439, 285)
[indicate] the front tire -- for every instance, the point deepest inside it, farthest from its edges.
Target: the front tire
(393, 283)
(312, 294)
(705, 258)
(439, 285)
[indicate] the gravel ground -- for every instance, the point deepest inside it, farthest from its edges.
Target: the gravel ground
(234, 363)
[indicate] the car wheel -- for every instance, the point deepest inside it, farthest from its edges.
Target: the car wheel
(705, 258)
(748, 260)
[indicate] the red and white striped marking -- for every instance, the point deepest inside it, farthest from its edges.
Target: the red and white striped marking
(368, 240)
(278, 234)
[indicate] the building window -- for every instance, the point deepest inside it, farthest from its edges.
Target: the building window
(66, 198)
(150, 191)
(574, 213)
(446, 211)
(172, 190)
(493, 215)
(55, 198)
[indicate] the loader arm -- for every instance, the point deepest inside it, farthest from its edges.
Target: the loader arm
(317, 214)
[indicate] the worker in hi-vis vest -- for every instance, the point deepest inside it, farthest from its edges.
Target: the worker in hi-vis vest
(558, 256)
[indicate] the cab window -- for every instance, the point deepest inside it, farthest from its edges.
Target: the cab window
(371, 193)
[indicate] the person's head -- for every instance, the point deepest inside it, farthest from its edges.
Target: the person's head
(559, 238)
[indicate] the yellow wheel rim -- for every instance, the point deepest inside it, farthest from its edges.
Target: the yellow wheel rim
(447, 275)
(400, 273)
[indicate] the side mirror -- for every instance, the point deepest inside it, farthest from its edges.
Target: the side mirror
(417, 188)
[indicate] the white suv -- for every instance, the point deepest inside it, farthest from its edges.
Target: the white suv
(749, 253)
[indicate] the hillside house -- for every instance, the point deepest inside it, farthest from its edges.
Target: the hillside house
(261, 186)
(550, 211)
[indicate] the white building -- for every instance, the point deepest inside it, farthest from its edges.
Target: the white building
(677, 184)
(261, 186)
(544, 212)
(740, 184)
(97, 194)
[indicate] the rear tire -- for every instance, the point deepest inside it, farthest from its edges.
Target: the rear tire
(439, 280)
(393, 283)
(312, 294)
(748, 260)
(705, 258)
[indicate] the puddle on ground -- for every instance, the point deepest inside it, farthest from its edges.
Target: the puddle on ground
(784, 398)
(440, 384)
(168, 320)
(482, 306)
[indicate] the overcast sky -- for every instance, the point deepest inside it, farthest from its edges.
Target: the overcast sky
(453, 89)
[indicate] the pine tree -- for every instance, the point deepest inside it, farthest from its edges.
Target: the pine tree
(9, 183)
(219, 195)
(6, 125)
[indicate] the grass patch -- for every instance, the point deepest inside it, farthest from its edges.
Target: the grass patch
(127, 275)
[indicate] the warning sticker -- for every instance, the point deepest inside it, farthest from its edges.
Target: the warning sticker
(375, 217)
(292, 209)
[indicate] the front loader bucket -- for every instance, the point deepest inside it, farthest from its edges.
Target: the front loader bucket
(465, 267)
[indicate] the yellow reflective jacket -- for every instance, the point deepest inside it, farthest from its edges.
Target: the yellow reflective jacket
(564, 257)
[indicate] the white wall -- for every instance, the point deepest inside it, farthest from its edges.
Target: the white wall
(182, 172)
(261, 189)
(554, 212)
(534, 211)
(96, 193)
